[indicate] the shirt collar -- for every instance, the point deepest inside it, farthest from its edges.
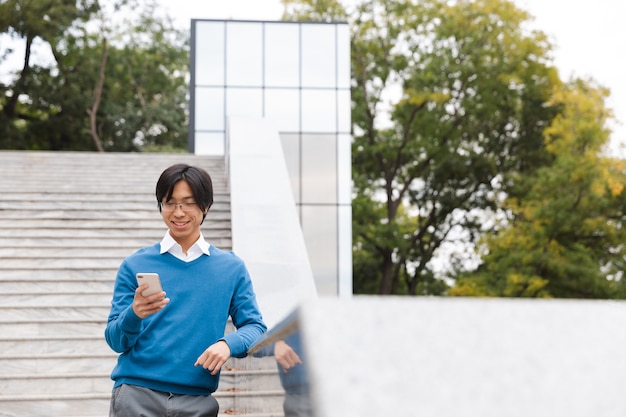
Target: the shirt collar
(168, 244)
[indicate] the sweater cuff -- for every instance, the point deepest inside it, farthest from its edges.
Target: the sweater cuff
(234, 342)
(130, 322)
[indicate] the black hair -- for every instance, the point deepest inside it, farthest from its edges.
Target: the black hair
(198, 179)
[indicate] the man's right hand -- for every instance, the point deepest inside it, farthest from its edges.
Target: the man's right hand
(145, 306)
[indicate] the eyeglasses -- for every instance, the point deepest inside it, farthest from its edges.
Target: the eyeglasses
(186, 207)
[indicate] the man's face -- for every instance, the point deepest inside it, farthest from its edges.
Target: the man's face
(183, 219)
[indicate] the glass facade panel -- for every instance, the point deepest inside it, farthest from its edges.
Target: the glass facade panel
(209, 56)
(319, 111)
(297, 74)
(318, 56)
(344, 108)
(282, 106)
(343, 57)
(244, 102)
(282, 55)
(291, 149)
(344, 169)
(344, 239)
(319, 169)
(319, 226)
(244, 54)
(210, 143)
(209, 109)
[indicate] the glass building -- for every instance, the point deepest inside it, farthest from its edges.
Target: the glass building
(296, 74)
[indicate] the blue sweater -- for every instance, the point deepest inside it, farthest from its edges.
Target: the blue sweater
(159, 351)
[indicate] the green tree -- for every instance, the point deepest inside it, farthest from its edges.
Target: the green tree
(32, 20)
(115, 84)
(471, 100)
(565, 237)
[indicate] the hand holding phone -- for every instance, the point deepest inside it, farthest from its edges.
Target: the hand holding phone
(153, 281)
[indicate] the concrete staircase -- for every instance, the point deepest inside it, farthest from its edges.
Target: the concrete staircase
(66, 222)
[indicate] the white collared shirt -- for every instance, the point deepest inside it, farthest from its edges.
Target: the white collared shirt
(199, 248)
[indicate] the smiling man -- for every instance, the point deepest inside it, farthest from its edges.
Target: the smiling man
(172, 344)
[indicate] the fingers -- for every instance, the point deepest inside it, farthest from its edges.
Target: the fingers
(145, 306)
(285, 355)
(214, 357)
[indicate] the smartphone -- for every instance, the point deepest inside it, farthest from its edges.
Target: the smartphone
(152, 279)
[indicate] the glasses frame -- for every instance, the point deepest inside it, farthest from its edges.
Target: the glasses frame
(186, 206)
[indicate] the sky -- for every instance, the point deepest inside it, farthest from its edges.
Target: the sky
(588, 38)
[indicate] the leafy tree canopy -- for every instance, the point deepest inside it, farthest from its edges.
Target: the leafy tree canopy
(117, 81)
(451, 104)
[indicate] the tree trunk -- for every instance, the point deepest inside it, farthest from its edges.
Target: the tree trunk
(97, 95)
(10, 110)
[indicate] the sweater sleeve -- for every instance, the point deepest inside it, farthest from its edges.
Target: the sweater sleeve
(246, 317)
(123, 326)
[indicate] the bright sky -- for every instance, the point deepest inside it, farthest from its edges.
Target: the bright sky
(588, 38)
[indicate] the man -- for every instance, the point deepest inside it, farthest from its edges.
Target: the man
(172, 348)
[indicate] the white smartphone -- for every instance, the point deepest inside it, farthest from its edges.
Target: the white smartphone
(152, 279)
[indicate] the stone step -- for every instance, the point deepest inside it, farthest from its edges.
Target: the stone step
(52, 314)
(56, 286)
(71, 405)
(125, 195)
(91, 374)
(145, 207)
(97, 405)
(76, 242)
(46, 275)
(57, 384)
(34, 162)
(29, 369)
(76, 252)
(121, 228)
(93, 328)
(54, 344)
(98, 220)
(146, 187)
(59, 264)
(55, 299)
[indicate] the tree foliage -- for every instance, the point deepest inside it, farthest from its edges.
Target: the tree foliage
(448, 99)
(565, 237)
(116, 83)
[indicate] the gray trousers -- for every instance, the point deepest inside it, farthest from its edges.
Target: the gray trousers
(298, 405)
(134, 401)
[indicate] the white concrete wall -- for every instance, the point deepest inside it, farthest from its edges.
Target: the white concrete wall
(265, 227)
(459, 357)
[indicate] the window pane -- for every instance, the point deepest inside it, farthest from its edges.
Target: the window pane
(209, 109)
(282, 106)
(319, 169)
(291, 149)
(244, 58)
(344, 117)
(318, 55)
(282, 55)
(319, 111)
(319, 226)
(244, 102)
(344, 241)
(343, 56)
(209, 53)
(344, 169)
(209, 143)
